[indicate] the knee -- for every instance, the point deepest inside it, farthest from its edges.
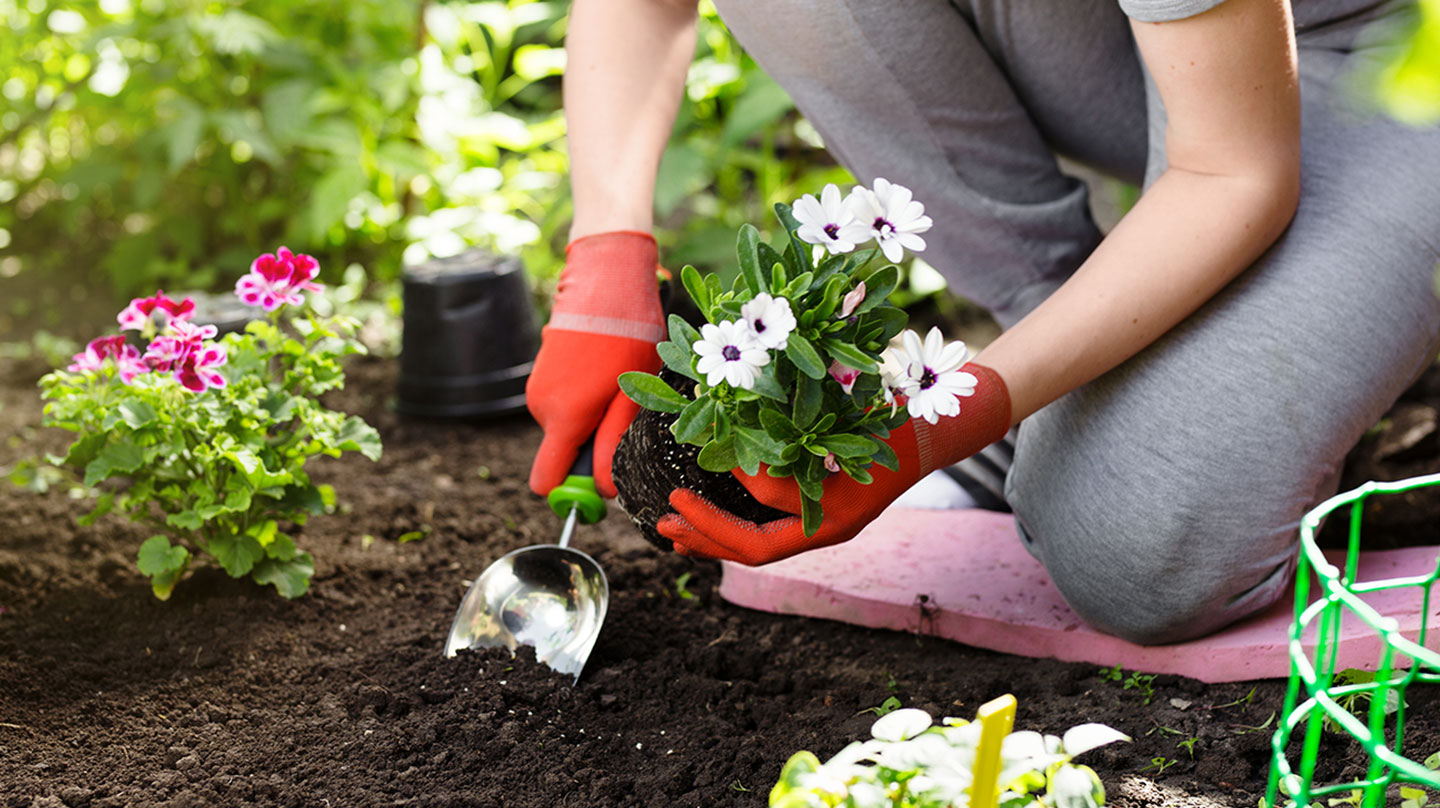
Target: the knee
(1158, 572)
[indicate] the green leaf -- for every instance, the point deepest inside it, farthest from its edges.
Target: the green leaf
(762, 104)
(830, 299)
(651, 392)
(801, 249)
(681, 332)
(248, 464)
(849, 355)
(237, 554)
(158, 555)
(778, 426)
(746, 246)
(768, 256)
(413, 535)
(182, 135)
(745, 454)
(117, 458)
(185, 520)
(281, 548)
(718, 456)
(695, 286)
(136, 413)
(811, 515)
(802, 353)
(848, 445)
(85, 449)
(677, 359)
(103, 505)
(878, 287)
(694, 420)
(767, 386)
(885, 456)
(755, 442)
(290, 578)
(809, 395)
(1433, 762)
(358, 436)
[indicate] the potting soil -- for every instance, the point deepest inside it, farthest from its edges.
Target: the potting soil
(230, 695)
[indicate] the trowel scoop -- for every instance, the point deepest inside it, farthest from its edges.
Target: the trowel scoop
(551, 597)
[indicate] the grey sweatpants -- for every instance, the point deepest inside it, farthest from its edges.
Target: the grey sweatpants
(1163, 498)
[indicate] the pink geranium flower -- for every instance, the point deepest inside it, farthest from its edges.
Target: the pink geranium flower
(197, 372)
(136, 316)
(278, 279)
(102, 349)
(170, 351)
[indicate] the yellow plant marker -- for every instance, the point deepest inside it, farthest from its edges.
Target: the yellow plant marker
(997, 718)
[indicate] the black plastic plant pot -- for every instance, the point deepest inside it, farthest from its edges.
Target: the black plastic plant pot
(470, 337)
(222, 310)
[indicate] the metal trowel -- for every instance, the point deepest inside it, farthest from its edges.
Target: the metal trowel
(551, 597)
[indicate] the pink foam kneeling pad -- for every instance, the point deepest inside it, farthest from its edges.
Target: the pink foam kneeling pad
(980, 587)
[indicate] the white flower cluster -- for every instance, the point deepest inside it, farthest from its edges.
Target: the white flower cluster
(942, 759)
(886, 213)
(928, 375)
(734, 351)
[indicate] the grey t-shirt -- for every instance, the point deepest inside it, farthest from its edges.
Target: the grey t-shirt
(1308, 13)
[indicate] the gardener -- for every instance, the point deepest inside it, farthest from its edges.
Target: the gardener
(1188, 385)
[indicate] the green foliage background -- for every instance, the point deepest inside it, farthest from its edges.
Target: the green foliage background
(149, 143)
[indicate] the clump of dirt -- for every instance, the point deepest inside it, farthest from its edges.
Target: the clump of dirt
(649, 464)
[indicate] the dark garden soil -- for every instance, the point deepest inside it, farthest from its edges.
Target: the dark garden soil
(229, 695)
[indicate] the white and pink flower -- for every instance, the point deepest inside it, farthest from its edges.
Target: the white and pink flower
(278, 279)
(197, 372)
(102, 349)
(138, 315)
(829, 221)
(931, 379)
(845, 375)
(770, 320)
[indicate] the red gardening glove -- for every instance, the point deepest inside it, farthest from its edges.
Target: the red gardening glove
(701, 529)
(606, 320)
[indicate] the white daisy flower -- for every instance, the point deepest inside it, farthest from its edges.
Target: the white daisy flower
(770, 319)
(932, 380)
(728, 352)
(892, 375)
(892, 216)
(829, 221)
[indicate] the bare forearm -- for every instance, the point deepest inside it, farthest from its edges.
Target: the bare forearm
(1188, 237)
(625, 72)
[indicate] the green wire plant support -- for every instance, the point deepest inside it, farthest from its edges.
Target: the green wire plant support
(1315, 697)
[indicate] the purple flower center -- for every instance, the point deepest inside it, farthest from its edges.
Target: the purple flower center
(832, 230)
(882, 226)
(758, 325)
(731, 353)
(927, 379)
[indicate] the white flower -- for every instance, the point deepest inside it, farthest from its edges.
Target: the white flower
(1081, 739)
(770, 320)
(892, 217)
(835, 775)
(892, 374)
(830, 221)
(1075, 787)
(728, 352)
(901, 725)
(932, 380)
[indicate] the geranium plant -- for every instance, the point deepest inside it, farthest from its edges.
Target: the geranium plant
(208, 439)
(910, 762)
(793, 367)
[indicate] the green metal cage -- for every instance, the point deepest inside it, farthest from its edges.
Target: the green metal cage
(1371, 712)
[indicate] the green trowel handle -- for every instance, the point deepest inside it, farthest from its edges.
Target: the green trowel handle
(578, 491)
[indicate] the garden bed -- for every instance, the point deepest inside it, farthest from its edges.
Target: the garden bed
(229, 695)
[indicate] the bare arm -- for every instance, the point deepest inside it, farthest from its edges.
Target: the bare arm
(1229, 84)
(625, 72)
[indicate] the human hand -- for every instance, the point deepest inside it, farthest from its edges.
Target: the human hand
(606, 320)
(700, 528)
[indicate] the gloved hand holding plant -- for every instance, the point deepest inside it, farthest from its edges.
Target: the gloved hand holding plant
(793, 383)
(211, 438)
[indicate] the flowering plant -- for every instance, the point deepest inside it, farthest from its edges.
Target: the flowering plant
(793, 367)
(909, 763)
(212, 437)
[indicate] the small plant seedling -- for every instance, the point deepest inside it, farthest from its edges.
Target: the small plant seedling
(1160, 764)
(738, 786)
(1243, 702)
(1354, 797)
(890, 683)
(884, 708)
(680, 586)
(1188, 745)
(1113, 674)
(1433, 762)
(1142, 682)
(1359, 701)
(1241, 729)
(1414, 797)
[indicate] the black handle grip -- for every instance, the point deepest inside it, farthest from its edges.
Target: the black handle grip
(584, 465)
